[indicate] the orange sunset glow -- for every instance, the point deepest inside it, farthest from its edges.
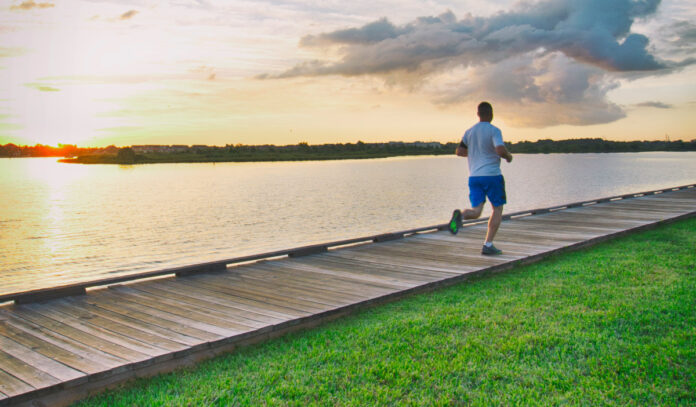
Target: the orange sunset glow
(282, 72)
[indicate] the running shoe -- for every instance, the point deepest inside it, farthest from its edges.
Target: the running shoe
(490, 250)
(456, 221)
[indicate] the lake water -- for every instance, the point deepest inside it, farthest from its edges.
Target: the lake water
(63, 223)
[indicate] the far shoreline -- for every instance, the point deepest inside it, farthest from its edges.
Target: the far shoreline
(111, 160)
(155, 154)
(148, 159)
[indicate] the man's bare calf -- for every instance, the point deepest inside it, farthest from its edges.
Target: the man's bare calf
(493, 221)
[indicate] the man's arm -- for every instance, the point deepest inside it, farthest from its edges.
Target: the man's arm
(503, 153)
(462, 150)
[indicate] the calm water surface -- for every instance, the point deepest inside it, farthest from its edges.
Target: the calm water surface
(63, 223)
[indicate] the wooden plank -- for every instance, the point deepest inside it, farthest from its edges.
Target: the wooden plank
(659, 204)
(28, 374)
(12, 386)
(613, 212)
(299, 289)
(291, 286)
(657, 207)
(70, 353)
(383, 276)
(231, 301)
(75, 332)
(654, 203)
(532, 236)
(206, 301)
(428, 249)
(126, 318)
(45, 295)
(394, 260)
(120, 304)
(222, 284)
(340, 283)
(185, 315)
(273, 300)
(427, 268)
(307, 251)
(221, 288)
(404, 256)
(357, 276)
(276, 275)
(521, 246)
(39, 361)
(444, 255)
(287, 294)
(604, 220)
(526, 241)
(131, 337)
(565, 222)
(370, 270)
(206, 307)
(559, 224)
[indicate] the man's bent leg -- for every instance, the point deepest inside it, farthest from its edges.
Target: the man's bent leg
(472, 213)
(494, 223)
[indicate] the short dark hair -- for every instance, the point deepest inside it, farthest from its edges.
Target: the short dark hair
(485, 109)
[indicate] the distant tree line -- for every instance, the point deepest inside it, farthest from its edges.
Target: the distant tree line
(305, 151)
(598, 145)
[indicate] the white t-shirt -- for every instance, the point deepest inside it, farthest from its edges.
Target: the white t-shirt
(481, 141)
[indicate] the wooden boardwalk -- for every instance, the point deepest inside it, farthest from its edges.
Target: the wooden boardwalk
(59, 350)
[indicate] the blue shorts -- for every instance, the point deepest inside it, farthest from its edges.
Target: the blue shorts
(492, 187)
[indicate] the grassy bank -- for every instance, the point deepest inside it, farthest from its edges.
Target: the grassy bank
(611, 325)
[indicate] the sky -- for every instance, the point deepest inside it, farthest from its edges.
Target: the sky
(98, 72)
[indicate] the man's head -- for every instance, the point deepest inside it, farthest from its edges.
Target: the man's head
(485, 112)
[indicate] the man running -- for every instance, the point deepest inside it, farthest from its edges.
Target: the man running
(483, 145)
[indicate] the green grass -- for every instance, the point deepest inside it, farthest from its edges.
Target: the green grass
(614, 324)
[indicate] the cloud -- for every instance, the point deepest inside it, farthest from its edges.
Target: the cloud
(207, 71)
(680, 37)
(128, 15)
(30, 4)
(658, 105)
(369, 34)
(591, 32)
(537, 91)
(553, 61)
(41, 87)
(7, 52)
(202, 4)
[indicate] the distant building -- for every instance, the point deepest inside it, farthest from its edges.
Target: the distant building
(146, 148)
(432, 144)
(178, 149)
(162, 149)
